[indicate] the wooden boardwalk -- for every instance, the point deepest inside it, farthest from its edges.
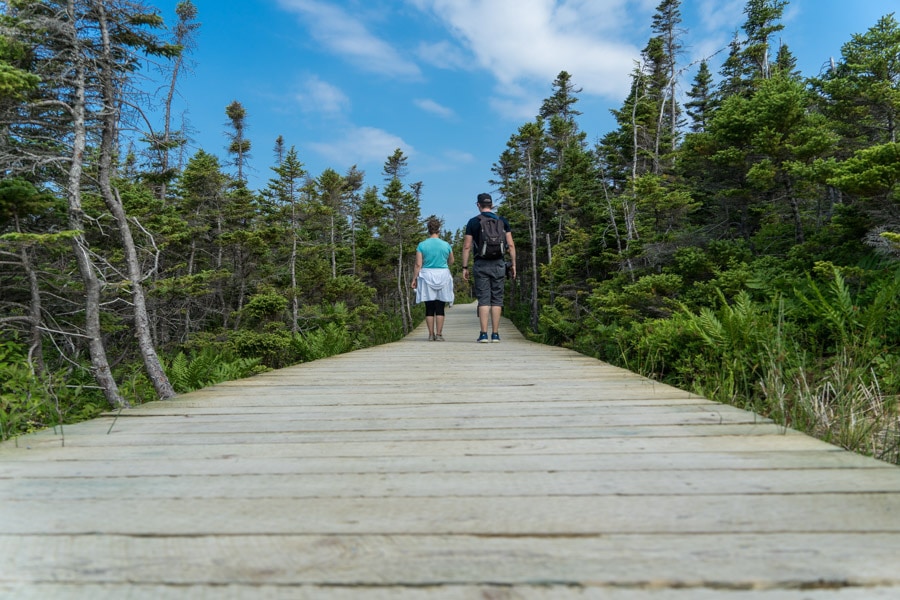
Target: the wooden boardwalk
(444, 470)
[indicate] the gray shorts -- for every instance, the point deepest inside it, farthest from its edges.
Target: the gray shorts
(490, 278)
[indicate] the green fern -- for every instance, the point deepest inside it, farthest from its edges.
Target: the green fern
(851, 321)
(205, 368)
(326, 341)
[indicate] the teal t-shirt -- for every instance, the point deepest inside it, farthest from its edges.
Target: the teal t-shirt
(434, 253)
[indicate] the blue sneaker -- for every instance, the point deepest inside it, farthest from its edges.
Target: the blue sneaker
(483, 338)
(495, 338)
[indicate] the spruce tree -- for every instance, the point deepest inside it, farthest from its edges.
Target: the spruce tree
(700, 106)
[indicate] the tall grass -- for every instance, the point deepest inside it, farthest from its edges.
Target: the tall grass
(823, 361)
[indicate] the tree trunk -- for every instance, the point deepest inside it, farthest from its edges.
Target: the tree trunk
(92, 329)
(532, 207)
(353, 241)
(333, 249)
(401, 291)
(35, 347)
(795, 214)
(295, 300)
(152, 364)
(189, 303)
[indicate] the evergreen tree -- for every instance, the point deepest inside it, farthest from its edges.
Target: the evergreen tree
(786, 63)
(732, 81)
(332, 189)
(200, 198)
(404, 228)
(665, 25)
(763, 21)
(285, 189)
(354, 180)
(522, 178)
(700, 106)
(559, 113)
(238, 144)
(163, 143)
(862, 91)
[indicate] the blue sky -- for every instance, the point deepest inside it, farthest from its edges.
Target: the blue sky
(447, 81)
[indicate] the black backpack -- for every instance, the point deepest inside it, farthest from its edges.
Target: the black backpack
(493, 238)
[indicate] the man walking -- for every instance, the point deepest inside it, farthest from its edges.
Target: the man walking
(489, 235)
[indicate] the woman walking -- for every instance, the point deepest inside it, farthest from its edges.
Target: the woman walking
(432, 279)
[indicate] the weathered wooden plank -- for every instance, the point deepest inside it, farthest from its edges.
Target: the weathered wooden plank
(715, 563)
(284, 459)
(597, 439)
(132, 591)
(507, 516)
(213, 424)
(335, 409)
(506, 442)
(539, 484)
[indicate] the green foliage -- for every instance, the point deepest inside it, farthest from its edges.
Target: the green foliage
(848, 320)
(735, 338)
(893, 238)
(15, 83)
(323, 342)
(29, 402)
(21, 200)
(664, 208)
(871, 171)
(664, 349)
(271, 348)
(651, 296)
(265, 307)
(209, 366)
(349, 301)
(385, 328)
(23, 403)
(823, 360)
(556, 325)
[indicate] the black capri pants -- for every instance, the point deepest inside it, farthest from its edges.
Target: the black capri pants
(434, 308)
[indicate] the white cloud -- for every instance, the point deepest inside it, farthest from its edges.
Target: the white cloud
(340, 32)
(444, 55)
(717, 23)
(430, 106)
(361, 146)
(716, 15)
(459, 157)
(321, 96)
(447, 161)
(517, 108)
(531, 41)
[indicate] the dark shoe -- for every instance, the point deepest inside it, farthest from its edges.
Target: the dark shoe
(483, 338)
(495, 338)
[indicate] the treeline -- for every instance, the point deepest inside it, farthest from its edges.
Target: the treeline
(743, 243)
(131, 271)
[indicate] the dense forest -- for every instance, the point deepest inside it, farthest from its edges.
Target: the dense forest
(737, 234)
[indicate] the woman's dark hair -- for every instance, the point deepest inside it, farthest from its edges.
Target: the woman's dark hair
(434, 225)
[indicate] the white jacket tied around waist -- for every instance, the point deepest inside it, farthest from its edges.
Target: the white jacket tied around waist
(434, 284)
